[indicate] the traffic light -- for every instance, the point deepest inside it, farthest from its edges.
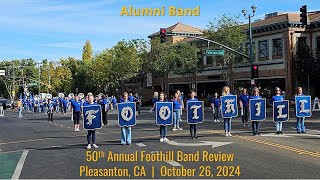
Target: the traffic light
(255, 71)
(163, 35)
(303, 15)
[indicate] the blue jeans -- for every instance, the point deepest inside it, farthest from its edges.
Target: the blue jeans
(176, 118)
(227, 124)
(163, 131)
(279, 126)
(300, 124)
(126, 135)
(255, 127)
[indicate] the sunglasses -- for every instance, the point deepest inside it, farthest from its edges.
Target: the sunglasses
(278, 90)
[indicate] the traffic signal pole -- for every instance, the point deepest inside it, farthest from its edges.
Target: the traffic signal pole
(250, 58)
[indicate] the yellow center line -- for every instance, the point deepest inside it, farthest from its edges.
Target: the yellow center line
(289, 148)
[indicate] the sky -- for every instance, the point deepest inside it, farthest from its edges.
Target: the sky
(54, 29)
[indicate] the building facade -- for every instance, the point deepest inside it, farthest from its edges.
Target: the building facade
(275, 41)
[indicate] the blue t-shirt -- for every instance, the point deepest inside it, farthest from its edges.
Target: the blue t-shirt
(88, 104)
(294, 97)
(244, 98)
(276, 98)
(215, 101)
(130, 98)
(76, 105)
(255, 97)
(65, 102)
(176, 104)
(194, 99)
(154, 100)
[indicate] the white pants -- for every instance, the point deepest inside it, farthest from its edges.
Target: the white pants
(1, 111)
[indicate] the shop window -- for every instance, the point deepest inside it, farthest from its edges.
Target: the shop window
(263, 50)
(277, 48)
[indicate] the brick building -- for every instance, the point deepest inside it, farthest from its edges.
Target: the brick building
(275, 40)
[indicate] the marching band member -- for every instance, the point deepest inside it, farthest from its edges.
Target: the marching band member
(243, 102)
(163, 128)
(91, 134)
(76, 106)
(154, 100)
(50, 110)
(255, 124)
(131, 99)
(181, 102)
(227, 121)
(65, 104)
(277, 97)
(300, 120)
(104, 108)
(126, 131)
(215, 104)
(193, 127)
(137, 99)
(176, 111)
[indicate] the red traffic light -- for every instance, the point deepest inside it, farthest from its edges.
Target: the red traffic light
(163, 31)
(255, 67)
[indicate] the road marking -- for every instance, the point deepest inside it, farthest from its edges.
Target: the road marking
(274, 135)
(203, 143)
(141, 144)
(173, 163)
(299, 151)
(19, 167)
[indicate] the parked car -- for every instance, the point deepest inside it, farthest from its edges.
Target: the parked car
(5, 102)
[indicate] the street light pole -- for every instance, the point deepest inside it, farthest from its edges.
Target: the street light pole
(244, 11)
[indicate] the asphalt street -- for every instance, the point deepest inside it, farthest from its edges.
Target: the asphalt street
(32, 148)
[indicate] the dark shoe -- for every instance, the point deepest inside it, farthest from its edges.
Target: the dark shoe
(281, 132)
(298, 132)
(191, 137)
(278, 132)
(254, 134)
(258, 133)
(196, 136)
(303, 132)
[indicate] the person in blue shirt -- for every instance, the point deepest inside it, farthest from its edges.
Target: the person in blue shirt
(277, 97)
(114, 103)
(76, 107)
(193, 127)
(227, 121)
(182, 104)
(154, 101)
(125, 130)
(255, 124)
(91, 134)
(176, 111)
(131, 99)
(300, 120)
(244, 105)
(215, 104)
(163, 128)
(137, 99)
(65, 104)
(104, 108)
(50, 110)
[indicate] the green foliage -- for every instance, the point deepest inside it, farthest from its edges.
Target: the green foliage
(307, 63)
(87, 52)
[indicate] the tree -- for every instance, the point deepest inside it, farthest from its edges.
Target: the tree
(87, 53)
(230, 32)
(187, 60)
(160, 60)
(307, 66)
